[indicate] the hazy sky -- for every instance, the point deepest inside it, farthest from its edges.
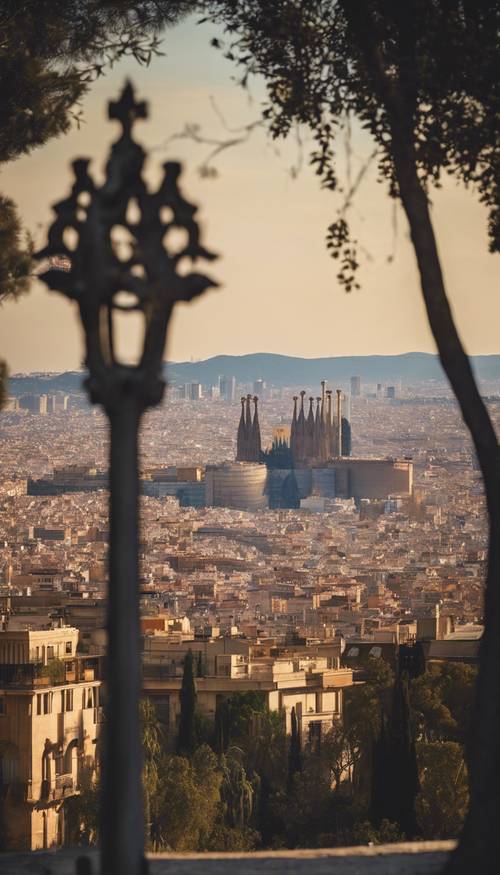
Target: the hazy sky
(279, 292)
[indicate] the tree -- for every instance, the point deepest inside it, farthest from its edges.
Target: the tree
(187, 737)
(294, 753)
(443, 797)
(188, 801)
(237, 792)
(364, 706)
(395, 773)
(15, 253)
(152, 750)
(421, 78)
(82, 812)
(15, 266)
(51, 51)
(221, 726)
(442, 701)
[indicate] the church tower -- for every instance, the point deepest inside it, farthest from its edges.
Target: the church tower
(241, 441)
(248, 444)
(255, 444)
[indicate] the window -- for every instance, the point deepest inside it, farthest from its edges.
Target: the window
(68, 647)
(39, 703)
(50, 651)
(376, 651)
(353, 651)
(2, 704)
(69, 700)
(47, 703)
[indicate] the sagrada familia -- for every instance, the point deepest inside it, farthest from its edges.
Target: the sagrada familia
(309, 467)
(315, 437)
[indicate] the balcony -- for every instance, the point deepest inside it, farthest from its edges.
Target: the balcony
(35, 675)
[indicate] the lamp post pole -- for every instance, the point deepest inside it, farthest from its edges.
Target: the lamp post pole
(96, 274)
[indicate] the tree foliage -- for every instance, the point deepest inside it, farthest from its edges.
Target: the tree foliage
(51, 51)
(318, 60)
(395, 773)
(15, 252)
(188, 800)
(443, 798)
(187, 736)
(442, 701)
(295, 750)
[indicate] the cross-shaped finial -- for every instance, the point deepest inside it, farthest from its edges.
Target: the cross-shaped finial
(126, 109)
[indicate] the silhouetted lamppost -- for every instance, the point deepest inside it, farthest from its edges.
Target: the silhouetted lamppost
(88, 266)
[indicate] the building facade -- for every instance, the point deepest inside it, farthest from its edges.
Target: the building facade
(50, 717)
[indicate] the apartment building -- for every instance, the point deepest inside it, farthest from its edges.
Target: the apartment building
(49, 726)
(307, 678)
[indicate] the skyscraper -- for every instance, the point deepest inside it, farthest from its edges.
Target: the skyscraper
(259, 388)
(355, 386)
(227, 388)
(194, 391)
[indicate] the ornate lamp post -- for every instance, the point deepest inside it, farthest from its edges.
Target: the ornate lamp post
(96, 276)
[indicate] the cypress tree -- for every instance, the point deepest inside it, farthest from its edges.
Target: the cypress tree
(294, 756)
(380, 770)
(187, 740)
(395, 774)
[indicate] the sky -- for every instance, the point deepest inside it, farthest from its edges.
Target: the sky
(278, 291)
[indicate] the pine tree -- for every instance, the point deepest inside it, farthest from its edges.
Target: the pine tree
(295, 755)
(186, 739)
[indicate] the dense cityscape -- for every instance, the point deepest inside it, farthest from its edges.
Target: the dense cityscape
(287, 610)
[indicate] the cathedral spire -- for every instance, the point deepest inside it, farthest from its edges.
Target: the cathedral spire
(324, 447)
(301, 430)
(255, 444)
(329, 425)
(248, 416)
(293, 430)
(317, 431)
(309, 432)
(241, 439)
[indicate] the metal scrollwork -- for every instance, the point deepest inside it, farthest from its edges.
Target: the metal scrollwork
(96, 272)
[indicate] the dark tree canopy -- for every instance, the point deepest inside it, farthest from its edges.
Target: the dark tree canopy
(15, 252)
(431, 63)
(187, 737)
(50, 51)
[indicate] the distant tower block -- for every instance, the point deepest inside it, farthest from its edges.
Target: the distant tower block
(227, 388)
(355, 386)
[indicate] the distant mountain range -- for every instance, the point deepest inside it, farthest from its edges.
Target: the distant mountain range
(282, 370)
(292, 370)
